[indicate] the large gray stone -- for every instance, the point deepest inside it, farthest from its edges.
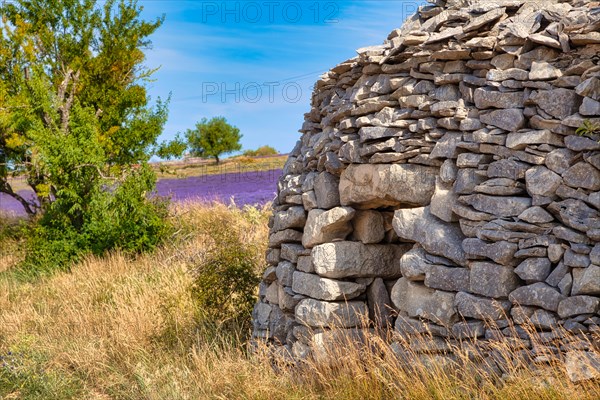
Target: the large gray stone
(541, 70)
(501, 252)
(284, 273)
(576, 214)
(589, 107)
(520, 140)
(291, 251)
(484, 19)
(510, 119)
(446, 146)
(500, 75)
(580, 143)
(586, 280)
(467, 179)
(284, 236)
(582, 366)
(500, 206)
(485, 98)
(534, 270)
(492, 280)
(559, 103)
(326, 226)
(544, 320)
(578, 305)
(448, 171)
(540, 181)
(447, 278)
(539, 295)
(506, 61)
(293, 217)
(436, 237)
(324, 288)
(500, 187)
(560, 160)
(415, 263)
(368, 227)
(443, 200)
(589, 88)
(305, 264)
(470, 306)
(507, 168)
(536, 215)
(319, 314)
(582, 175)
(468, 330)
(576, 260)
(357, 260)
(380, 304)
(326, 190)
(418, 300)
(379, 185)
(378, 132)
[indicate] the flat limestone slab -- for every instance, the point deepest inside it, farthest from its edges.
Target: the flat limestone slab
(378, 185)
(356, 260)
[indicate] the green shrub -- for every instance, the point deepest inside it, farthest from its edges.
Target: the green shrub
(228, 271)
(261, 151)
(119, 217)
(48, 250)
(126, 219)
(226, 282)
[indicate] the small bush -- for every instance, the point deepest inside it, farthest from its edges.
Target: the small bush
(228, 269)
(121, 217)
(226, 281)
(261, 151)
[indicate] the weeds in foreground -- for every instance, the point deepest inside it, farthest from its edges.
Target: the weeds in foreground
(118, 327)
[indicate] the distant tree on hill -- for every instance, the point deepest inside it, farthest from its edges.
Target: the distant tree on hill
(261, 151)
(212, 138)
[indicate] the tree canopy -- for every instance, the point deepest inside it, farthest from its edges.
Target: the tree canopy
(212, 138)
(73, 105)
(76, 120)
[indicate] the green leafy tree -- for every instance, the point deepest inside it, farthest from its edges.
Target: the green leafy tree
(75, 118)
(213, 137)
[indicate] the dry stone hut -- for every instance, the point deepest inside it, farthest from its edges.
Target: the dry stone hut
(439, 184)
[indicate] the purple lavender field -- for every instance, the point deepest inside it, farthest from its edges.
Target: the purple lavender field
(11, 207)
(244, 188)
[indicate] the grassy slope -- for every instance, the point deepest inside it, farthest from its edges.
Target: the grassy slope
(228, 165)
(120, 328)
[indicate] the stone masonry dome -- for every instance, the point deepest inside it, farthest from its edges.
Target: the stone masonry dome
(440, 185)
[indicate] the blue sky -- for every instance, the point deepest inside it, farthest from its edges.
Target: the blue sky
(255, 62)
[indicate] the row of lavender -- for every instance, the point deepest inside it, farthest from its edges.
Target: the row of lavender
(243, 188)
(439, 185)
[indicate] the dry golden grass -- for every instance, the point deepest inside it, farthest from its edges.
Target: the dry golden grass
(10, 243)
(123, 328)
(237, 164)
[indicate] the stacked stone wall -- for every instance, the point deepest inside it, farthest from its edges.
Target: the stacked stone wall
(439, 184)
